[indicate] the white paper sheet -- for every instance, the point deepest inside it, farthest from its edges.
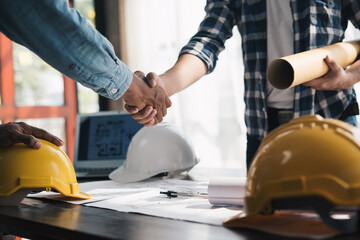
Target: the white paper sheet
(145, 198)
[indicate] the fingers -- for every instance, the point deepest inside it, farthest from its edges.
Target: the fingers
(165, 106)
(20, 132)
(164, 109)
(140, 74)
(159, 116)
(38, 133)
(153, 81)
(148, 92)
(150, 123)
(131, 109)
(145, 116)
(332, 64)
(335, 79)
(151, 78)
(29, 140)
(161, 112)
(168, 102)
(12, 133)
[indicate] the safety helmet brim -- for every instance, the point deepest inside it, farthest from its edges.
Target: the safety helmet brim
(80, 195)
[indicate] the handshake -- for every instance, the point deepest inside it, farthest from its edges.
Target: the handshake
(146, 99)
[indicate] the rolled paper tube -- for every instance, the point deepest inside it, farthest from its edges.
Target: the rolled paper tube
(227, 191)
(292, 70)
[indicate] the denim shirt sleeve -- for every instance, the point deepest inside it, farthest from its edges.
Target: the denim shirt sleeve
(65, 40)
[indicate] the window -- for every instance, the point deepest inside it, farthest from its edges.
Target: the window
(32, 76)
(26, 94)
(88, 100)
(211, 110)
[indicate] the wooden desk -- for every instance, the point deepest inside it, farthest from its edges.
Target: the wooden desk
(48, 219)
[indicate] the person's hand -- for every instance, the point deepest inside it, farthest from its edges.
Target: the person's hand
(153, 95)
(20, 132)
(145, 116)
(335, 79)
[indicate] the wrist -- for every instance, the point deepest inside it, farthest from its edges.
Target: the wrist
(352, 77)
(165, 80)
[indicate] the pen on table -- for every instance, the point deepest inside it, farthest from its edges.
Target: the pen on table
(221, 192)
(185, 194)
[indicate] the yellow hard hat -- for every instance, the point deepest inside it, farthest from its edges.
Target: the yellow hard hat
(37, 169)
(309, 163)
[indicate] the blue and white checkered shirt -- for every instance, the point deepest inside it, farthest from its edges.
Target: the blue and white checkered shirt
(316, 24)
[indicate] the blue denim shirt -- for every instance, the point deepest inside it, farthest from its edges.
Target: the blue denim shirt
(65, 40)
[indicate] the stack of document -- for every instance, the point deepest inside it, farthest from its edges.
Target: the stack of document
(145, 198)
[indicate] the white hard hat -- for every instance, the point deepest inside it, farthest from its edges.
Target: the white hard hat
(162, 148)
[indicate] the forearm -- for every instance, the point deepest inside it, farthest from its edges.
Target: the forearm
(353, 72)
(186, 71)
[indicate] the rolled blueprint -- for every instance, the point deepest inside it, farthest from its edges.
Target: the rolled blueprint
(292, 70)
(227, 191)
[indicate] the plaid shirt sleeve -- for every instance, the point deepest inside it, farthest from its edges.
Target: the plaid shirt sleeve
(352, 11)
(214, 30)
(317, 23)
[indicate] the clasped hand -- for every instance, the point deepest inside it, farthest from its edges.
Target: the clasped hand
(146, 100)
